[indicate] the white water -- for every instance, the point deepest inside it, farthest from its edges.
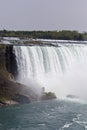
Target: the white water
(62, 70)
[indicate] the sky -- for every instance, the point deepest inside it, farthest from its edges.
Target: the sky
(43, 15)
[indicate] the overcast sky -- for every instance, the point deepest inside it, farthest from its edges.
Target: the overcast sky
(43, 15)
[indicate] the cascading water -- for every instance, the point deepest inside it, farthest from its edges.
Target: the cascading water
(59, 69)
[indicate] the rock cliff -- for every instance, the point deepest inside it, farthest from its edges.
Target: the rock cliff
(10, 90)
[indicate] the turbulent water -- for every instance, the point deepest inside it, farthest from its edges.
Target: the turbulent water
(61, 68)
(47, 115)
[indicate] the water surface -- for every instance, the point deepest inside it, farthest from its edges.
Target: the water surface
(47, 115)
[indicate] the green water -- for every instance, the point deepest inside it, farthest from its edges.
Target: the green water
(46, 115)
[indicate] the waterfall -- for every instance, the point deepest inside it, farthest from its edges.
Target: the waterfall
(59, 69)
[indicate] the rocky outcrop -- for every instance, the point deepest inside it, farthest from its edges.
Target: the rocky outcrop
(10, 60)
(10, 90)
(48, 96)
(3, 71)
(72, 96)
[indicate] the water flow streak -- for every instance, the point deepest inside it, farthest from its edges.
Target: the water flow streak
(58, 69)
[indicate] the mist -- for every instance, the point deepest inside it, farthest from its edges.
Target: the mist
(33, 85)
(73, 82)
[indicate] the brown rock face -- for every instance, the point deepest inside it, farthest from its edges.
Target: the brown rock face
(9, 88)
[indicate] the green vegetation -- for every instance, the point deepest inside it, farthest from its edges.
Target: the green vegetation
(60, 35)
(48, 96)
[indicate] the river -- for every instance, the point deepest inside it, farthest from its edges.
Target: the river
(46, 115)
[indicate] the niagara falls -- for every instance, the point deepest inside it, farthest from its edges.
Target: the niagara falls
(43, 65)
(45, 84)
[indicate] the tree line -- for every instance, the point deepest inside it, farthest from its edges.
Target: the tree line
(58, 35)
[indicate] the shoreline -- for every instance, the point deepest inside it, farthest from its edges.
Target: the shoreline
(7, 103)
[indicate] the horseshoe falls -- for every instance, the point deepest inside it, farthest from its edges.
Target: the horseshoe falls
(61, 69)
